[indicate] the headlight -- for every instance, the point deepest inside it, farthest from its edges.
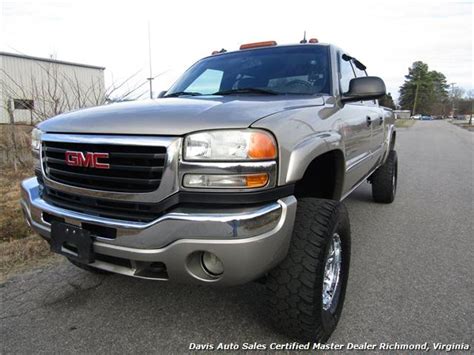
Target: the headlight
(35, 148)
(229, 159)
(230, 145)
(36, 139)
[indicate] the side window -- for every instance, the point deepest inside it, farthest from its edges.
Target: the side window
(346, 73)
(207, 83)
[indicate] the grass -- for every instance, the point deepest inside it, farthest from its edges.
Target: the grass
(12, 223)
(467, 126)
(404, 123)
(20, 248)
(23, 254)
(463, 124)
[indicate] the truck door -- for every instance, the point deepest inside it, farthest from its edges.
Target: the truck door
(356, 129)
(378, 127)
(376, 115)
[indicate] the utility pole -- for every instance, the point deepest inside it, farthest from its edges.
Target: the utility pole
(150, 78)
(452, 97)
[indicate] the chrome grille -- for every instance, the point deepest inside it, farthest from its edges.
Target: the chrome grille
(131, 168)
(127, 211)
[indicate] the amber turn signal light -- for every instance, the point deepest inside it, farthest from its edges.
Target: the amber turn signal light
(257, 180)
(262, 146)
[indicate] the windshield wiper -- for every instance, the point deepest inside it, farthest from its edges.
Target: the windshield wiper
(183, 93)
(247, 91)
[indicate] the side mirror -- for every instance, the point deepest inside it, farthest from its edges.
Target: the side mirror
(161, 94)
(364, 88)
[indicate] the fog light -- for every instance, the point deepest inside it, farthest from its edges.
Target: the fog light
(212, 264)
(225, 181)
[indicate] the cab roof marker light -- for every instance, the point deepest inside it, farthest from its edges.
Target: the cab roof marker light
(219, 52)
(258, 44)
(313, 40)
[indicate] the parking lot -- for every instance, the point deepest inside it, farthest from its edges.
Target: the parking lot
(410, 282)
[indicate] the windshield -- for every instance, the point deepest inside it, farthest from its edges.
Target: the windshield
(277, 70)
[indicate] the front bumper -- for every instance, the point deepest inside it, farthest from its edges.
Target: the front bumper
(249, 241)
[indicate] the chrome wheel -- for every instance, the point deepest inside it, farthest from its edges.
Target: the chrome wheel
(394, 181)
(332, 271)
(394, 184)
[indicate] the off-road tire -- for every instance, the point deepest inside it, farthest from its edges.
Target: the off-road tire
(294, 287)
(384, 180)
(88, 268)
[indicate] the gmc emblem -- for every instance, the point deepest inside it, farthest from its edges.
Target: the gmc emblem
(87, 160)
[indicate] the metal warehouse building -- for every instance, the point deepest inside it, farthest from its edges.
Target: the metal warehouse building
(33, 89)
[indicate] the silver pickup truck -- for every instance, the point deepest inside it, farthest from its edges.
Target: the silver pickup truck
(235, 174)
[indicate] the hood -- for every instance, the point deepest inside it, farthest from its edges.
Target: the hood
(174, 116)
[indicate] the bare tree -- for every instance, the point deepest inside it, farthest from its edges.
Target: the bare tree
(53, 92)
(13, 143)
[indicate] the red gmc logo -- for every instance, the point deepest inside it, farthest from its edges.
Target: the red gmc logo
(87, 160)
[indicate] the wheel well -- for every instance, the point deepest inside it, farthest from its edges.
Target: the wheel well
(323, 177)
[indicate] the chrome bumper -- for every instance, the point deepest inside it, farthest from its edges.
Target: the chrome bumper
(249, 241)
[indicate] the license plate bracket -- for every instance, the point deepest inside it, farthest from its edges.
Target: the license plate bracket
(72, 242)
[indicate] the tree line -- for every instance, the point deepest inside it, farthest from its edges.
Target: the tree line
(427, 92)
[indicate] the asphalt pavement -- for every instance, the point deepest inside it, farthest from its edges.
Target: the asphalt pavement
(411, 278)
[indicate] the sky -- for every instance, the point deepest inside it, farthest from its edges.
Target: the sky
(387, 36)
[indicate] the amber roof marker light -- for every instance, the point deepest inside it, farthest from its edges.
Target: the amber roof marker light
(312, 40)
(258, 44)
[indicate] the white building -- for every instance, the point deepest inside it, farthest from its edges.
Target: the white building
(402, 114)
(33, 89)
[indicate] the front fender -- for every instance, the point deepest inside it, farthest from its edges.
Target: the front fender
(302, 134)
(306, 151)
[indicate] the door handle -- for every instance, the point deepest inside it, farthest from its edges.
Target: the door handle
(369, 121)
(380, 120)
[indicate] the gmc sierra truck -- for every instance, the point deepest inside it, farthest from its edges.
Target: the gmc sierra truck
(236, 173)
